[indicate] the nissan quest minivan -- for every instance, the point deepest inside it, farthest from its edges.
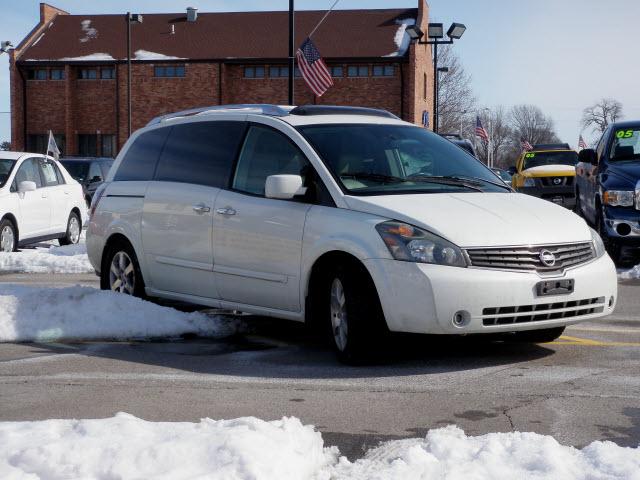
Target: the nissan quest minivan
(347, 218)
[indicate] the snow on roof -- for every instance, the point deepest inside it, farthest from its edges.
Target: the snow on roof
(89, 32)
(401, 38)
(146, 55)
(92, 57)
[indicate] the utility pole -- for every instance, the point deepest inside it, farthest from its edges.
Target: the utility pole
(292, 63)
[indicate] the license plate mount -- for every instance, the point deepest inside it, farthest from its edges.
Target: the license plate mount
(555, 287)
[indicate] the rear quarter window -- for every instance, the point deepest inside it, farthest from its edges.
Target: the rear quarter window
(139, 163)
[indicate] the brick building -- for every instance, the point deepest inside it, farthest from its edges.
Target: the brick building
(69, 75)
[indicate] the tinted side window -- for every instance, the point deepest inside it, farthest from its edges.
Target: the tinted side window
(48, 173)
(266, 152)
(139, 162)
(95, 172)
(200, 153)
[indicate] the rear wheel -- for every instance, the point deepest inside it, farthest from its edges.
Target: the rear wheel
(539, 336)
(8, 236)
(74, 229)
(121, 271)
(354, 316)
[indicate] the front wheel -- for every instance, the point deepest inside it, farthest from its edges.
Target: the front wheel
(8, 237)
(74, 229)
(121, 271)
(539, 336)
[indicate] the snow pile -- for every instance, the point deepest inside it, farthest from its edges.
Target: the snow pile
(447, 453)
(89, 32)
(401, 38)
(125, 447)
(48, 314)
(630, 274)
(67, 259)
(89, 58)
(146, 55)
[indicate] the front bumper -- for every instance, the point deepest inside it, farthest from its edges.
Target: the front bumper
(563, 195)
(422, 298)
(623, 225)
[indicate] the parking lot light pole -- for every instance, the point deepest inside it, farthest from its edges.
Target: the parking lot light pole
(131, 18)
(435, 33)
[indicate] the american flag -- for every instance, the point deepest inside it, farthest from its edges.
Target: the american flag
(313, 69)
(526, 146)
(481, 131)
(582, 143)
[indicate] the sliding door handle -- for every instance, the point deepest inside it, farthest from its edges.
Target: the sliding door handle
(225, 211)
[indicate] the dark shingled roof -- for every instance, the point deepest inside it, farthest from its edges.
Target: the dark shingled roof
(237, 35)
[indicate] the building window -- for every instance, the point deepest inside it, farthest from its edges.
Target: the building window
(337, 72)
(56, 74)
(384, 71)
(254, 72)
(36, 74)
(107, 73)
(88, 74)
(297, 73)
(171, 71)
(108, 145)
(358, 71)
(38, 143)
(279, 72)
(88, 145)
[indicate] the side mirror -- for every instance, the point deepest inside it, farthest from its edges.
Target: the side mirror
(512, 170)
(27, 186)
(283, 187)
(95, 179)
(588, 155)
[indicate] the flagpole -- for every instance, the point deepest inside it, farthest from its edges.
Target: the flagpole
(323, 18)
(292, 64)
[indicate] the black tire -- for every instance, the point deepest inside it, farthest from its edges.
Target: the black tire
(613, 248)
(366, 326)
(7, 227)
(72, 236)
(134, 279)
(539, 336)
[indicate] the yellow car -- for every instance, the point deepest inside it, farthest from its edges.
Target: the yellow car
(547, 171)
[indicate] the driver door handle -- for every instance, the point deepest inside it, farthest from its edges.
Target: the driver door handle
(201, 208)
(225, 211)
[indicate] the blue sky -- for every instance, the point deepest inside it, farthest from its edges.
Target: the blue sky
(559, 54)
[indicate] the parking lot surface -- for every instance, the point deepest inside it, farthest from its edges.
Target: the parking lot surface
(583, 387)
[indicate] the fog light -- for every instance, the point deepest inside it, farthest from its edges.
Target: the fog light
(461, 318)
(623, 229)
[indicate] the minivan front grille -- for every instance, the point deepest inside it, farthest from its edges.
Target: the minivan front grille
(541, 312)
(544, 259)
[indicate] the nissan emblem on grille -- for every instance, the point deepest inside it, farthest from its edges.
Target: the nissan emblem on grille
(557, 181)
(547, 258)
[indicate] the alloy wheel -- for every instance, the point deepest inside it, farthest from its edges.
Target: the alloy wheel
(338, 309)
(74, 229)
(7, 239)
(122, 277)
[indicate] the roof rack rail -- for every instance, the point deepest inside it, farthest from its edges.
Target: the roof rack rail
(551, 146)
(259, 108)
(340, 110)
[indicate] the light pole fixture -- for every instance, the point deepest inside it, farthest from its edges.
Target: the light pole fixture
(435, 34)
(5, 46)
(130, 18)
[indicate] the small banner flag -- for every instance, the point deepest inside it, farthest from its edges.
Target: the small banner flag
(52, 147)
(581, 143)
(526, 146)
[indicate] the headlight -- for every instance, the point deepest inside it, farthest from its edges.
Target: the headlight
(529, 182)
(597, 243)
(619, 198)
(410, 244)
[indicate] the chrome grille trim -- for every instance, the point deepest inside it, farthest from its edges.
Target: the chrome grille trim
(527, 258)
(496, 316)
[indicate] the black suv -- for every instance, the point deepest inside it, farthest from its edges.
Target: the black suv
(90, 172)
(608, 186)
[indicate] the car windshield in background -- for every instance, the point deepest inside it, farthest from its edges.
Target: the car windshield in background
(78, 170)
(539, 159)
(626, 145)
(392, 159)
(6, 166)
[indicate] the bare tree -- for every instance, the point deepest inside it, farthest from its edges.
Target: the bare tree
(496, 122)
(6, 146)
(601, 114)
(455, 96)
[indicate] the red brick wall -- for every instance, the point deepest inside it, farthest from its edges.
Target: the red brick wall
(420, 63)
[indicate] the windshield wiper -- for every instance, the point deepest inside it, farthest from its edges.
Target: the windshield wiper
(480, 180)
(376, 177)
(447, 180)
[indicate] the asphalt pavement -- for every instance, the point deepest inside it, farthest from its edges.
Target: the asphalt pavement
(581, 388)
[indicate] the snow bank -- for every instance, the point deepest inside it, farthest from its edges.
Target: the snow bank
(47, 314)
(401, 38)
(630, 274)
(67, 259)
(146, 55)
(125, 447)
(447, 453)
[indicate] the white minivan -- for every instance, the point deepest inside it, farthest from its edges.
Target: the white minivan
(345, 217)
(39, 201)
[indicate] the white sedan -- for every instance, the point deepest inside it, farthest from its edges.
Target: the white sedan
(39, 201)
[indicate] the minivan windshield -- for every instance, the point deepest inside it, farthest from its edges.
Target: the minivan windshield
(378, 159)
(6, 166)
